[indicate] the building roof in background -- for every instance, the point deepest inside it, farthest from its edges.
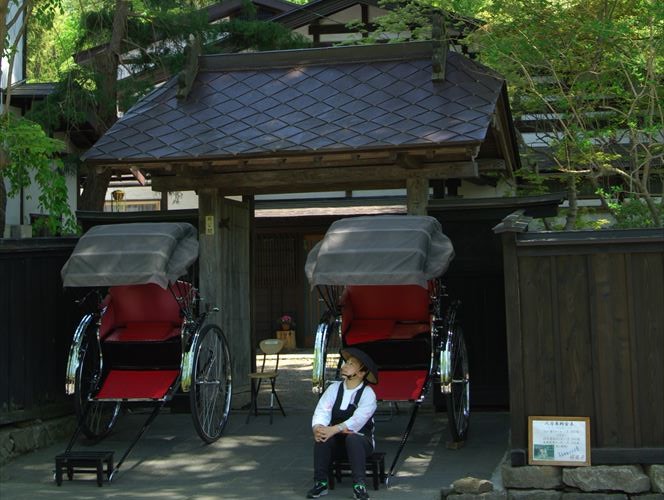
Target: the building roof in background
(31, 90)
(317, 9)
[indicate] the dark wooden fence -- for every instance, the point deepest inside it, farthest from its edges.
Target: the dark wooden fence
(585, 335)
(38, 320)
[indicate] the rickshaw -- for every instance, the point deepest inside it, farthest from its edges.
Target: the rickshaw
(146, 338)
(381, 280)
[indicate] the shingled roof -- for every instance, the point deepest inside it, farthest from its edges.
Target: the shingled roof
(304, 101)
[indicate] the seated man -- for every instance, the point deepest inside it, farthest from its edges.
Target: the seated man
(343, 422)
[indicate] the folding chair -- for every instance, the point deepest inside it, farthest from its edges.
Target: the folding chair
(269, 347)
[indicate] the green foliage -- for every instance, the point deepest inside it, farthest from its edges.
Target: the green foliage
(32, 156)
(530, 182)
(56, 40)
(157, 33)
(70, 103)
(248, 34)
(588, 70)
(628, 209)
(409, 20)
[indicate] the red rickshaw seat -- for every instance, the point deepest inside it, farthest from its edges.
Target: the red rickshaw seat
(381, 312)
(140, 313)
(369, 330)
(400, 385)
(137, 384)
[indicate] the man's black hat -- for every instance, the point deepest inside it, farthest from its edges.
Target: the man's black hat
(372, 369)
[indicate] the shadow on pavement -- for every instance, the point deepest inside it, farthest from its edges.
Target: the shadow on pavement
(259, 460)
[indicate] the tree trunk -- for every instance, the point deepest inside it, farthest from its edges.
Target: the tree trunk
(94, 190)
(106, 66)
(572, 211)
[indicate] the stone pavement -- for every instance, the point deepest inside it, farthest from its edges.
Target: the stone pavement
(259, 460)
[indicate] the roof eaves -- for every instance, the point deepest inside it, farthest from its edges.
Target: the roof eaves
(149, 162)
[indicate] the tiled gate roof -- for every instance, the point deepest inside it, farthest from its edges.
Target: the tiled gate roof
(308, 101)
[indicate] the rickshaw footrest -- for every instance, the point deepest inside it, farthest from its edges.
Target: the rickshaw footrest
(84, 461)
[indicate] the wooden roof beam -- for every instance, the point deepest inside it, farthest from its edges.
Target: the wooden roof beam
(502, 129)
(319, 179)
(412, 158)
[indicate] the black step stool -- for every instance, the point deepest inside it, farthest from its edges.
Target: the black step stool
(84, 461)
(375, 469)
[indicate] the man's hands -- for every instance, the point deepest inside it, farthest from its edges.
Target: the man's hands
(324, 432)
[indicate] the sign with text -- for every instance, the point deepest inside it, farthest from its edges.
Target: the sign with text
(559, 441)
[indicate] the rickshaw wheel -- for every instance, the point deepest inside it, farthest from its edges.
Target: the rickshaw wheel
(327, 360)
(211, 389)
(101, 416)
(458, 398)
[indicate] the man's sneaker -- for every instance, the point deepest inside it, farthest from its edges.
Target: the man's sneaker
(319, 490)
(360, 492)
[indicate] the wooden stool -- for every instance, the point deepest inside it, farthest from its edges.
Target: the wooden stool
(375, 467)
(84, 461)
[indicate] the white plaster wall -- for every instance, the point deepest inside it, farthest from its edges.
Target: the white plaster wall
(182, 200)
(17, 70)
(30, 197)
(179, 200)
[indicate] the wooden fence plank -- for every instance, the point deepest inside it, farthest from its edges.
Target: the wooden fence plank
(33, 306)
(647, 278)
(536, 318)
(575, 366)
(615, 418)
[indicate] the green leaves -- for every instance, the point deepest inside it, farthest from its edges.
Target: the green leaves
(33, 156)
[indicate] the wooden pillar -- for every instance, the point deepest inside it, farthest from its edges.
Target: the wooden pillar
(417, 195)
(225, 263)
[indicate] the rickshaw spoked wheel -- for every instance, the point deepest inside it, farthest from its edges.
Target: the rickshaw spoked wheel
(458, 397)
(327, 360)
(211, 389)
(101, 416)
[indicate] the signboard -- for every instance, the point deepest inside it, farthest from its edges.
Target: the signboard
(559, 441)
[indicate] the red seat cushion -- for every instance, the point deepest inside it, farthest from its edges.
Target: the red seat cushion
(398, 302)
(144, 332)
(148, 303)
(369, 330)
(137, 384)
(402, 385)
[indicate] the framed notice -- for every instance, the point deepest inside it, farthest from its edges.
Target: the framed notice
(559, 441)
